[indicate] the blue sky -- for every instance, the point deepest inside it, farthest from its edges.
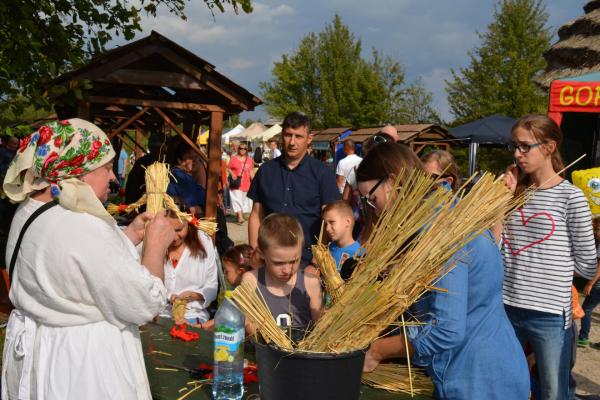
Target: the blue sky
(429, 37)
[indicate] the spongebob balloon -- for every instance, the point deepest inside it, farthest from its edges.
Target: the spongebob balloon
(588, 180)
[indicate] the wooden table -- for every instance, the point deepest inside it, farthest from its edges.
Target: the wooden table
(186, 356)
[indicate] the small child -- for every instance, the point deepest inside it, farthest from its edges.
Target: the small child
(236, 261)
(339, 222)
(293, 296)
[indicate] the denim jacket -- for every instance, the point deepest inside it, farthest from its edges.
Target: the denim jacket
(466, 342)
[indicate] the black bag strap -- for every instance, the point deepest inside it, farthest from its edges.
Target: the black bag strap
(31, 218)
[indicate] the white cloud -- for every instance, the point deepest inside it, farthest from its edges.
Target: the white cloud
(240, 63)
(434, 83)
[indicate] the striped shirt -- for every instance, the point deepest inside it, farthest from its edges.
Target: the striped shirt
(543, 244)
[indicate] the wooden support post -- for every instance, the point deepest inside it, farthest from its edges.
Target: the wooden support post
(180, 133)
(128, 122)
(214, 163)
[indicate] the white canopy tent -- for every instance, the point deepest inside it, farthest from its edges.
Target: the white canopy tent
(231, 133)
(250, 132)
(269, 133)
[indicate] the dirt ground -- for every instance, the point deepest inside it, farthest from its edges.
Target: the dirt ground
(587, 368)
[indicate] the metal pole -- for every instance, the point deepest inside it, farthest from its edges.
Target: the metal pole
(472, 157)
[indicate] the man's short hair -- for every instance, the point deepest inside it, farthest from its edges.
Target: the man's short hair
(349, 144)
(295, 120)
(280, 230)
(341, 207)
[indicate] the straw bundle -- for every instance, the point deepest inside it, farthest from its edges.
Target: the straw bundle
(334, 284)
(396, 378)
(395, 272)
(157, 181)
(157, 199)
(252, 304)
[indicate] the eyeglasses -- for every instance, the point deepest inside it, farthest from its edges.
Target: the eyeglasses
(524, 148)
(242, 148)
(366, 199)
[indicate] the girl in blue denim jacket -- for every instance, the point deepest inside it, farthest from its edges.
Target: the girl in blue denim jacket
(466, 342)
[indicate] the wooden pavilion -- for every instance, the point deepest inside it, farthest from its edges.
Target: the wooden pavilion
(153, 82)
(417, 137)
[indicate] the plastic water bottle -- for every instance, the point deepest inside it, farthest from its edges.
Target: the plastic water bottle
(228, 373)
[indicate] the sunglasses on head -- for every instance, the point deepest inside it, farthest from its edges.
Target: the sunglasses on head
(524, 147)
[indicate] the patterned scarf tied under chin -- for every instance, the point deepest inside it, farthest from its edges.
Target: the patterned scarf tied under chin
(57, 155)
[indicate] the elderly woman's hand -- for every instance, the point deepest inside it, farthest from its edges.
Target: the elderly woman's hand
(159, 232)
(159, 235)
(136, 229)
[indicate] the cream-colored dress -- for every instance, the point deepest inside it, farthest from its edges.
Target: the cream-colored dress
(80, 293)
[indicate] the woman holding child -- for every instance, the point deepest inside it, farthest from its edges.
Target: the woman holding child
(465, 341)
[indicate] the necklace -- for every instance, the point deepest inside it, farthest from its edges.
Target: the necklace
(175, 256)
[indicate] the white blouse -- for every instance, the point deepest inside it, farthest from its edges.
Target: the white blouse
(194, 274)
(80, 293)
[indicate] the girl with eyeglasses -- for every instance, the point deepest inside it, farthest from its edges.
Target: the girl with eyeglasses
(464, 339)
(544, 243)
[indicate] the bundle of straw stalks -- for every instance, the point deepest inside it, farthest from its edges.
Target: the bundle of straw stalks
(395, 272)
(398, 378)
(334, 284)
(157, 181)
(157, 200)
(410, 250)
(248, 299)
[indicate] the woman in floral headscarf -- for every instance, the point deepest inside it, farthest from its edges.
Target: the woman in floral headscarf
(78, 287)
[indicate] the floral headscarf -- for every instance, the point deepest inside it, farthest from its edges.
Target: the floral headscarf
(57, 155)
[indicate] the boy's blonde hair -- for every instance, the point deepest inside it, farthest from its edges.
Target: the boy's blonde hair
(280, 230)
(341, 207)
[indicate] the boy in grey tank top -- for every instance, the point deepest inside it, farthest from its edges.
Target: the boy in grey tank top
(294, 297)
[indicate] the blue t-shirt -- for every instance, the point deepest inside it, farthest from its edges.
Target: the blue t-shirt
(341, 254)
(300, 192)
(186, 188)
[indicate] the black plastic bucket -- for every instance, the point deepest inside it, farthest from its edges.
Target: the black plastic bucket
(315, 376)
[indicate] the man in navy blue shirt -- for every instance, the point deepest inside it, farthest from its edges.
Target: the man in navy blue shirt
(293, 183)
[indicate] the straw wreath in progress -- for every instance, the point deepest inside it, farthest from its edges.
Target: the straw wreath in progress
(157, 200)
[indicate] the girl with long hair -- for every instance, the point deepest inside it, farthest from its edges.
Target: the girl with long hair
(544, 243)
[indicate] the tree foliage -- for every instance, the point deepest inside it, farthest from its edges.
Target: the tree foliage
(40, 39)
(327, 78)
(500, 76)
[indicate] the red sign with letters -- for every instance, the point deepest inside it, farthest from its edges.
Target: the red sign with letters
(573, 97)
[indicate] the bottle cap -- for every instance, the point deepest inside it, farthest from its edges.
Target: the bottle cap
(229, 294)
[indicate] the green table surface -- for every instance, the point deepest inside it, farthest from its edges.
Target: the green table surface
(186, 356)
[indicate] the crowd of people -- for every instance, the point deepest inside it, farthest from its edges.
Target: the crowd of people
(82, 284)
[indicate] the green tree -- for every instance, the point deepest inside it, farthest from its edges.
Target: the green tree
(40, 39)
(327, 78)
(500, 76)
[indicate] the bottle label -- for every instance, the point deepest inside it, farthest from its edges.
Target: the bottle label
(228, 342)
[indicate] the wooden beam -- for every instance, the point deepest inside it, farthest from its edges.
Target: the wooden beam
(205, 78)
(180, 133)
(156, 103)
(214, 163)
(128, 122)
(153, 78)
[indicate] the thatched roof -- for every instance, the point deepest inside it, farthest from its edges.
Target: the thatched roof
(577, 51)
